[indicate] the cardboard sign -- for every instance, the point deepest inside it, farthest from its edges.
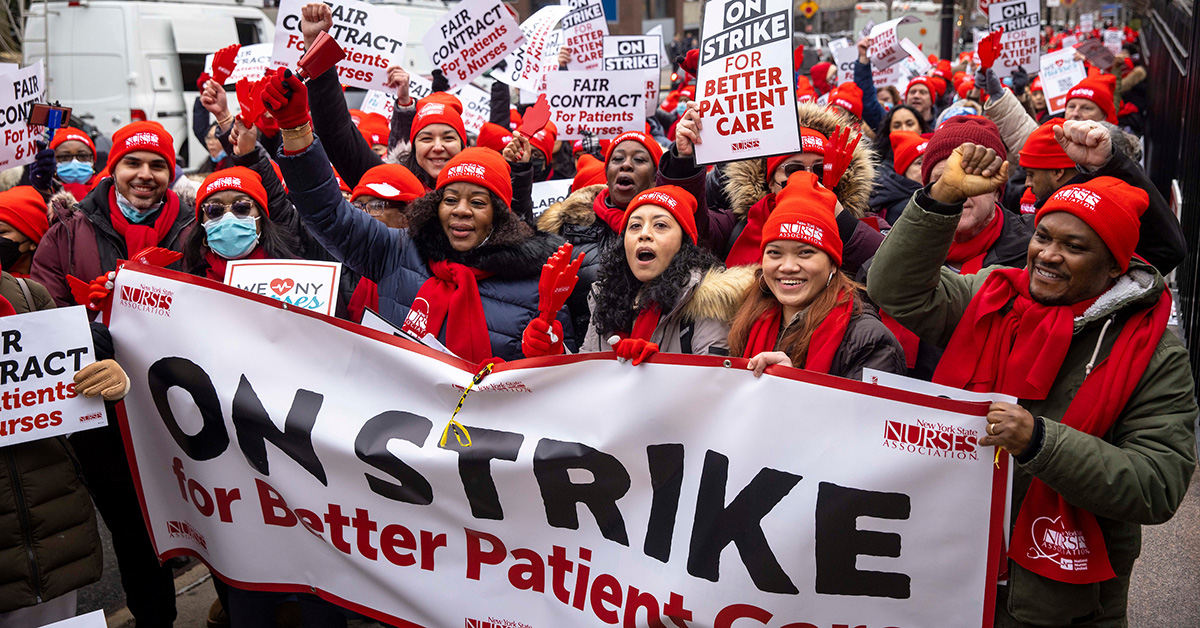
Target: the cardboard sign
(382, 103)
(372, 36)
(584, 30)
(19, 90)
(252, 63)
(638, 52)
(885, 48)
(547, 193)
(1097, 54)
(1059, 73)
(527, 65)
(844, 54)
(745, 81)
(916, 55)
(1113, 40)
(1021, 22)
(306, 284)
(606, 104)
(471, 38)
(40, 353)
(333, 465)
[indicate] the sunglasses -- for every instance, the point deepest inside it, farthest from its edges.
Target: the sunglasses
(240, 208)
(794, 167)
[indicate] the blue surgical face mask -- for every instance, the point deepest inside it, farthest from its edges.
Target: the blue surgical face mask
(133, 214)
(75, 171)
(219, 157)
(232, 237)
(680, 108)
(887, 106)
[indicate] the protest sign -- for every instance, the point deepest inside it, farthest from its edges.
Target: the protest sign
(472, 37)
(1059, 73)
(606, 104)
(1069, 41)
(1022, 41)
(94, 619)
(584, 30)
(637, 52)
(745, 81)
(547, 193)
(8, 68)
(372, 36)
(1097, 54)
(40, 353)
(314, 471)
(1113, 39)
(382, 103)
(885, 47)
(920, 61)
(528, 64)
(1087, 22)
(252, 63)
(477, 107)
(844, 54)
(306, 284)
(19, 90)
(657, 31)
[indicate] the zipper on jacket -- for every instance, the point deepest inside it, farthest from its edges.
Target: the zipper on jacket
(26, 535)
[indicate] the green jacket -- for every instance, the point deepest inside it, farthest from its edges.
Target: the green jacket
(1136, 474)
(49, 544)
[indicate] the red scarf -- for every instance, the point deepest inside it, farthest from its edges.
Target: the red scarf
(826, 338)
(748, 247)
(138, 237)
(646, 322)
(81, 190)
(216, 263)
(1051, 538)
(908, 340)
(611, 215)
(366, 295)
(451, 296)
(968, 256)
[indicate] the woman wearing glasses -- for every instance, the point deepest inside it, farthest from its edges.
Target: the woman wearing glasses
(384, 192)
(75, 155)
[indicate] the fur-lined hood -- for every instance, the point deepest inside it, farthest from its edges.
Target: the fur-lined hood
(718, 295)
(1132, 80)
(576, 209)
(61, 206)
(746, 181)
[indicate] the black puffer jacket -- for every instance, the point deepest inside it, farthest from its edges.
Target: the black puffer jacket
(891, 194)
(574, 219)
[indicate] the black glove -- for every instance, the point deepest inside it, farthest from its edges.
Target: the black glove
(42, 170)
(1020, 79)
(590, 144)
(989, 82)
(440, 84)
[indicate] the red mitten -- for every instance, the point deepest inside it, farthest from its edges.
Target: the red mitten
(690, 62)
(989, 48)
(286, 97)
(635, 349)
(542, 338)
(202, 81)
(838, 154)
(92, 295)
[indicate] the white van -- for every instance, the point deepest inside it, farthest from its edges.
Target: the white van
(116, 61)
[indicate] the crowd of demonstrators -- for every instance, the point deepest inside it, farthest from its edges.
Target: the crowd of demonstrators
(971, 238)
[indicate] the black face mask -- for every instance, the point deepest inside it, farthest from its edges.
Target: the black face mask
(10, 252)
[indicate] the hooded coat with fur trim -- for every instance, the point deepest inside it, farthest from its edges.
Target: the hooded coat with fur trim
(398, 259)
(573, 219)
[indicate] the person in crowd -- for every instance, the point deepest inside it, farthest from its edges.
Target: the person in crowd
(847, 100)
(1103, 431)
(1093, 99)
(386, 192)
(375, 130)
(873, 109)
(23, 222)
(801, 310)
(1037, 100)
(894, 187)
(218, 158)
(920, 96)
(888, 97)
(900, 118)
(819, 73)
(75, 156)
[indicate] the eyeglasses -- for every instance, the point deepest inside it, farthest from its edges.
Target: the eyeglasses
(240, 208)
(66, 159)
(817, 169)
(375, 208)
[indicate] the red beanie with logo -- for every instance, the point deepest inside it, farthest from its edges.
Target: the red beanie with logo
(848, 96)
(1111, 207)
(391, 182)
(543, 140)
(139, 136)
(906, 147)
(588, 171)
(804, 90)
(437, 113)
(66, 134)
(1041, 150)
(656, 151)
(804, 213)
(955, 132)
(482, 167)
(237, 178)
(493, 136)
(374, 129)
(1098, 89)
(672, 198)
(922, 80)
(965, 86)
(811, 141)
(342, 185)
(24, 208)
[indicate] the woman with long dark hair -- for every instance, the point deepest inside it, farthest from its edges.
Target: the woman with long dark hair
(900, 118)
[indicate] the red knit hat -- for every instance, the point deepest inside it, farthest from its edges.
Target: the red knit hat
(1041, 150)
(942, 70)
(672, 198)
(848, 96)
(357, 115)
(67, 133)
(374, 129)
(493, 136)
(446, 98)
(965, 86)
(804, 90)
(688, 91)
(906, 147)
(543, 140)
(138, 136)
(437, 113)
(1111, 207)
(656, 151)
(24, 208)
(481, 167)
(922, 80)
(804, 212)
(959, 77)
(342, 185)
(237, 178)
(1028, 202)
(811, 141)
(1098, 89)
(514, 118)
(957, 131)
(588, 171)
(1036, 84)
(391, 182)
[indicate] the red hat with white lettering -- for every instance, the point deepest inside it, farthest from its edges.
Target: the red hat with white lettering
(391, 182)
(656, 151)
(493, 136)
(237, 178)
(543, 140)
(66, 134)
(138, 136)
(480, 166)
(1111, 207)
(922, 80)
(848, 96)
(804, 90)
(342, 185)
(1036, 84)
(906, 147)
(676, 200)
(811, 141)
(1098, 89)
(437, 113)
(374, 129)
(1041, 150)
(804, 213)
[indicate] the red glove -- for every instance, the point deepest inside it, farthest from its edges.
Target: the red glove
(838, 154)
(286, 98)
(202, 81)
(989, 48)
(635, 349)
(92, 295)
(542, 338)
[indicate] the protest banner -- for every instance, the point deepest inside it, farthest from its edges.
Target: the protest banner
(606, 104)
(885, 49)
(1113, 40)
(382, 103)
(1021, 21)
(745, 81)
(313, 470)
(528, 64)
(1060, 72)
(40, 353)
(307, 284)
(584, 30)
(252, 62)
(1087, 22)
(637, 52)
(19, 90)
(373, 37)
(471, 38)
(547, 193)
(844, 54)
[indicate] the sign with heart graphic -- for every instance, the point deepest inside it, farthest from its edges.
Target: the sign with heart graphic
(1060, 72)
(303, 283)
